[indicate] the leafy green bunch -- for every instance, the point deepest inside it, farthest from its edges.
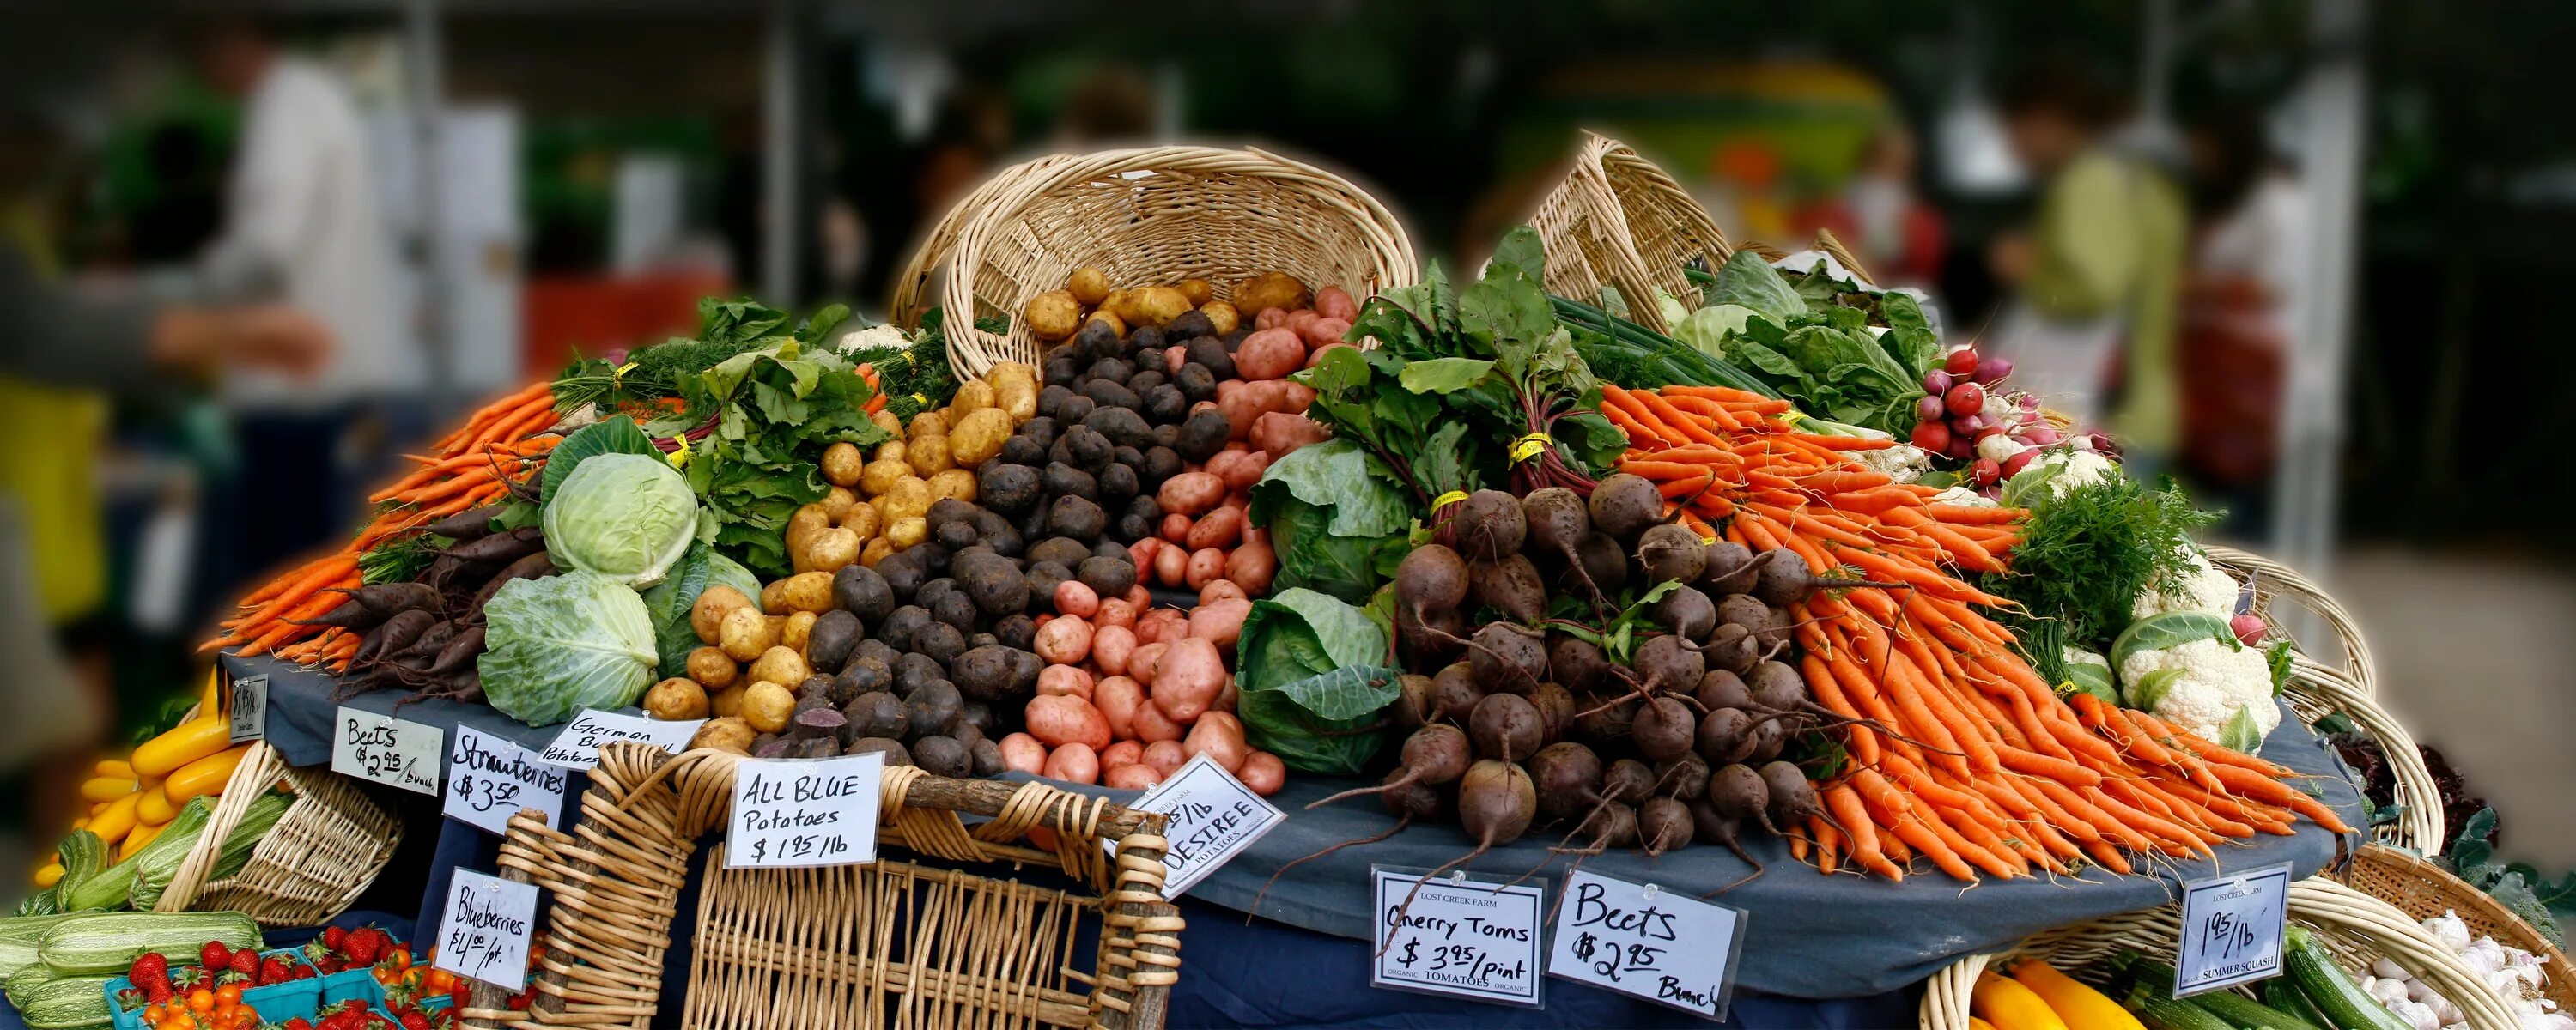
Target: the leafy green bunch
(1811, 347)
(775, 409)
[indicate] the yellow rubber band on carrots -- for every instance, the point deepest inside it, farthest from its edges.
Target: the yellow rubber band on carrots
(1530, 446)
(1447, 499)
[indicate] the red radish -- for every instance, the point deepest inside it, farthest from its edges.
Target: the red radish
(1991, 369)
(1965, 399)
(1932, 436)
(1989, 429)
(1936, 382)
(2040, 436)
(1961, 448)
(1984, 471)
(2248, 628)
(2012, 466)
(1960, 362)
(1929, 408)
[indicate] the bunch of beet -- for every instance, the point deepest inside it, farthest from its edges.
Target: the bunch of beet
(425, 635)
(1527, 722)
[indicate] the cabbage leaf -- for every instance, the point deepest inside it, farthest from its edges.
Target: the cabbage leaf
(559, 644)
(626, 516)
(1311, 671)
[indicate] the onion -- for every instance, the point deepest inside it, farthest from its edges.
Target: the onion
(1936, 382)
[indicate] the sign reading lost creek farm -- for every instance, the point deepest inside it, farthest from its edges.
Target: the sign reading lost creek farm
(793, 813)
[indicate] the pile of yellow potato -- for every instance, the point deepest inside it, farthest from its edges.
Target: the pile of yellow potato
(1086, 297)
(877, 502)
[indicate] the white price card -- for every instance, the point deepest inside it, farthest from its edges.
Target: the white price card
(486, 931)
(489, 779)
(809, 812)
(1458, 935)
(1639, 939)
(577, 747)
(397, 752)
(1209, 817)
(246, 702)
(2231, 929)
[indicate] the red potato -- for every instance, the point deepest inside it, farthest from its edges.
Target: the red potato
(1239, 468)
(1056, 720)
(1174, 358)
(1220, 622)
(1271, 353)
(1072, 763)
(1256, 535)
(1132, 776)
(1219, 528)
(1118, 698)
(1263, 772)
(1225, 699)
(1146, 659)
(1175, 528)
(1142, 552)
(1270, 318)
(1152, 725)
(1325, 332)
(1251, 566)
(1316, 357)
(1299, 319)
(1204, 567)
(1072, 597)
(1111, 647)
(1065, 641)
(1125, 752)
(1281, 433)
(1164, 755)
(1115, 611)
(1336, 302)
(1219, 590)
(1188, 679)
(1218, 735)
(1065, 681)
(1171, 565)
(1190, 493)
(1299, 398)
(1140, 597)
(1240, 411)
(1023, 753)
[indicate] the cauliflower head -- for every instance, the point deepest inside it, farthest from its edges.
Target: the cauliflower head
(2202, 589)
(2201, 686)
(1903, 463)
(2075, 468)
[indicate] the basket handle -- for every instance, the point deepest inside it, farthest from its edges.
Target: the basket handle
(259, 769)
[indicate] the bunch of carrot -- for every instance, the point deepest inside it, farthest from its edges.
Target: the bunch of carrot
(1967, 758)
(494, 452)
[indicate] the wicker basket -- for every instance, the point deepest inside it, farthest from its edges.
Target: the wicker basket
(894, 942)
(1150, 215)
(1618, 220)
(2316, 690)
(2423, 890)
(2358, 928)
(330, 845)
(913, 293)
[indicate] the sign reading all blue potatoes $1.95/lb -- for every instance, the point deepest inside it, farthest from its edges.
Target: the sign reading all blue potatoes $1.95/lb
(1458, 936)
(2231, 929)
(812, 812)
(1639, 939)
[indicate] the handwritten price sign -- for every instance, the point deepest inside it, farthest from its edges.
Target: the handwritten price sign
(577, 747)
(246, 702)
(1458, 936)
(1639, 940)
(2231, 929)
(485, 935)
(1211, 818)
(395, 752)
(804, 813)
(489, 779)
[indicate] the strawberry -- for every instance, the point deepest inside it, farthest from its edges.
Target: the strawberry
(129, 998)
(188, 979)
(245, 962)
(299, 1023)
(333, 935)
(305, 973)
(415, 1019)
(274, 970)
(158, 994)
(150, 968)
(363, 945)
(214, 955)
(460, 993)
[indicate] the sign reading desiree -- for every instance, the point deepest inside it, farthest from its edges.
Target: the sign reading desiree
(391, 751)
(485, 934)
(1210, 817)
(577, 747)
(489, 779)
(814, 812)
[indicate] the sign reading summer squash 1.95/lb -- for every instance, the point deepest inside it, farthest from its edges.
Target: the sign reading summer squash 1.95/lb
(391, 751)
(246, 704)
(2231, 929)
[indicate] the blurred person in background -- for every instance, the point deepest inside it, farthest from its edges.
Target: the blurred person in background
(2251, 225)
(2099, 271)
(300, 226)
(1879, 216)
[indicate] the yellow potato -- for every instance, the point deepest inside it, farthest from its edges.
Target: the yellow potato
(713, 604)
(910, 499)
(1197, 291)
(675, 699)
(832, 548)
(1052, 315)
(841, 463)
(1111, 303)
(883, 473)
(712, 668)
(837, 503)
(781, 664)
(974, 395)
(979, 436)
(891, 450)
(925, 424)
(773, 597)
(1221, 315)
(862, 520)
(876, 551)
(956, 483)
(1271, 290)
(907, 532)
(767, 706)
(726, 734)
(1117, 326)
(1018, 400)
(805, 592)
(930, 456)
(1087, 285)
(1005, 373)
(727, 703)
(808, 520)
(1156, 306)
(885, 420)
(799, 626)
(746, 633)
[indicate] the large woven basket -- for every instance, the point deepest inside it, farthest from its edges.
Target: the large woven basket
(1147, 216)
(1619, 221)
(2358, 928)
(2423, 890)
(2317, 689)
(897, 942)
(330, 845)
(915, 287)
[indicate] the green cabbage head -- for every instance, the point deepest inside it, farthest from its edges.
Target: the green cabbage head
(557, 645)
(626, 516)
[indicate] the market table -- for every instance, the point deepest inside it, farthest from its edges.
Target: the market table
(1811, 936)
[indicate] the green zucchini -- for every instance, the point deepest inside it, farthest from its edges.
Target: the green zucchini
(19, 937)
(107, 942)
(2160, 1011)
(2282, 993)
(2237, 1009)
(71, 1001)
(2332, 990)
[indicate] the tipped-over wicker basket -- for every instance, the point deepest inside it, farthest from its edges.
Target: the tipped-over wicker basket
(2423, 890)
(1619, 221)
(2358, 928)
(1154, 215)
(895, 942)
(328, 847)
